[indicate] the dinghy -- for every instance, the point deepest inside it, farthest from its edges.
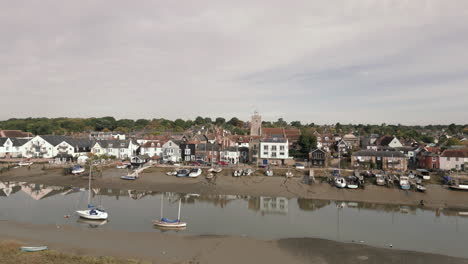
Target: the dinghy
(24, 163)
(340, 182)
(130, 176)
(289, 174)
(195, 173)
(269, 173)
(33, 249)
(210, 176)
(404, 183)
(171, 173)
(420, 188)
(182, 173)
(237, 173)
(77, 169)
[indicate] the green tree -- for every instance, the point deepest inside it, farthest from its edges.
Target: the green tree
(199, 120)
(220, 121)
(307, 141)
(452, 142)
(296, 124)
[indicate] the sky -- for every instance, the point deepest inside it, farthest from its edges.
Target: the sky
(380, 61)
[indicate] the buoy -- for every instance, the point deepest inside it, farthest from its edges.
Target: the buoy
(391, 245)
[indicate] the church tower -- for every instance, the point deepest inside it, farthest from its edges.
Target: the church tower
(256, 125)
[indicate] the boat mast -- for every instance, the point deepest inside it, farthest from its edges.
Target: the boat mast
(162, 204)
(178, 215)
(89, 184)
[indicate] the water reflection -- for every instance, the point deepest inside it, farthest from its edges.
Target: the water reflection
(263, 205)
(407, 227)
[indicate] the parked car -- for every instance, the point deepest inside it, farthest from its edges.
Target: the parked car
(299, 166)
(223, 163)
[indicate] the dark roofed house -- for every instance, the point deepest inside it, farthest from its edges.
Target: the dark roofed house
(384, 160)
(318, 158)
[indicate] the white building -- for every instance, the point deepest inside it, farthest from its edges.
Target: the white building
(171, 151)
(50, 146)
(151, 148)
(230, 155)
(456, 159)
(120, 149)
(274, 150)
(12, 147)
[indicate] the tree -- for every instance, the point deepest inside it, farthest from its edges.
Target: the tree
(199, 120)
(280, 123)
(338, 127)
(220, 121)
(296, 124)
(142, 123)
(452, 142)
(208, 120)
(427, 139)
(307, 141)
(235, 122)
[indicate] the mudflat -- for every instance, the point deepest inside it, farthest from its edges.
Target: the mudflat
(173, 248)
(155, 179)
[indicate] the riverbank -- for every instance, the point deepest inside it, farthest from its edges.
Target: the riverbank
(9, 253)
(171, 248)
(155, 179)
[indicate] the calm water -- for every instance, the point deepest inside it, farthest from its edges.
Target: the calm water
(442, 231)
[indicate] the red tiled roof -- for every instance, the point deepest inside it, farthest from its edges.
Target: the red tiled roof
(14, 133)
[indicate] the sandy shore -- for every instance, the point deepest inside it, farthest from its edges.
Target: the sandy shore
(173, 248)
(155, 179)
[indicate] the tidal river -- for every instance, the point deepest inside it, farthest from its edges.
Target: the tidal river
(440, 231)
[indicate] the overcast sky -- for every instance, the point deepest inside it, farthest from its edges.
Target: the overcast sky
(399, 61)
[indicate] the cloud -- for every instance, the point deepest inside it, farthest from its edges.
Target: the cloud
(315, 61)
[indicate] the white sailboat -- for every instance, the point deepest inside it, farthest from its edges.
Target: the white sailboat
(92, 212)
(169, 224)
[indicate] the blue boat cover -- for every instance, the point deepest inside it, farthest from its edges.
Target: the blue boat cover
(164, 219)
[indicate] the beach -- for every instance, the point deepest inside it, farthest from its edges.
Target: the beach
(155, 179)
(171, 248)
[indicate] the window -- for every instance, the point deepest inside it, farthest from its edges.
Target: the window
(433, 158)
(265, 153)
(265, 147)
(7, 148)
(281, 147)
(281, 153)
(273, 148)
(187, 151)
(456, 159)
(273, 154)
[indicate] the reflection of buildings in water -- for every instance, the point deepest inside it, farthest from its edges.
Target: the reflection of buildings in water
(312, 204)
(269, 205)
(39, 191)
(8, 188)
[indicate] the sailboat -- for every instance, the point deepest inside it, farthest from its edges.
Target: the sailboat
(169, 224)
(92, 212)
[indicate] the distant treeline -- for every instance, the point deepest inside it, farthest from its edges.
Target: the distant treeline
(43, 126)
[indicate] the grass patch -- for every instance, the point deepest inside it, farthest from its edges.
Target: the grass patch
(11, 254)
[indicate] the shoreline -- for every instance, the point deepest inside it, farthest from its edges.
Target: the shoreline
(175, 248)
(155, 179)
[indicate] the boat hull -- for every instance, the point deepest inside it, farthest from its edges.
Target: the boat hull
(33, 249)
(177, 225)
(87, 215)
(128, 177)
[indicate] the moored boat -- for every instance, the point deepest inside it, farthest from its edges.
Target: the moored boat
(183, 173)
(269, 173)
(77, 169)
(340, 182)
(379, 180)
(93, 214)
(404, 183)
(420, 188)
(195, 173)
(169, 224)
(237, 173)
(33, 249)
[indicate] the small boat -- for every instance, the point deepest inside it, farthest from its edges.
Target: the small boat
(169, 224)
(33, 249)
(404, 183)
(461, 187)
(247, 172)
(195, 173)
(237, 173)
(352, 182)
(269, 173)
(171, 173)
(130, 176)
(123, 165)
(289, 174)
(183, 173)
(210, 176)
(340, 182)
(77, 169)
(215, 170)
(420, 188)
(379, 180)
(25, 163)
(93, 213)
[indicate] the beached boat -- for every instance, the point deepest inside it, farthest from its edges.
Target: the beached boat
(171, 173)
(269, 173)
(237, 173)
(210, 176)
(25, 163)
(461, 187)
(379, 180)
(195, 173)
(247, 172)
(404, 183)
(77, 169)
(169, 224)
(215, 170)
(123, 165)
(420, 188)
(130, 176)
(92, 212)
(33, 249)
(352, 182)
(289, 174)
(340, 182)
(183, 173)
